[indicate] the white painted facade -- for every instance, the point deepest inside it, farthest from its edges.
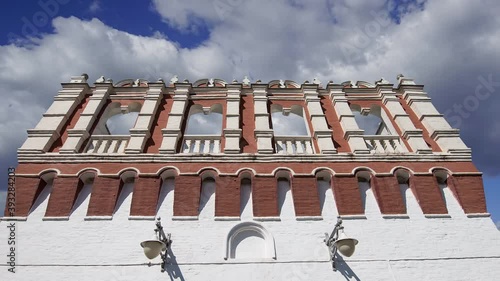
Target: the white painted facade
(457, 247)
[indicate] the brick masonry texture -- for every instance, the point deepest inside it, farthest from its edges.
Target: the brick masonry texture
(105, 192)
(63, 196)
(145, 196)
(428, 194)
(388, 195)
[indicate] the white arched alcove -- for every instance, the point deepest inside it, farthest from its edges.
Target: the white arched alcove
(249, 240)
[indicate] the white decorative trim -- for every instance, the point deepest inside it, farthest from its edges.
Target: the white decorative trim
(353, 217)
(478, 215)
(55, 218)
(396, 216)
(437, 216)
(141, 218)
(13, 218)
(227, 218)
(185, 218)
(267, 218)
(98, 218)
(309, 218)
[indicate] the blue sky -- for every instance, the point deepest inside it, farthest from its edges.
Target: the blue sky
(43, 43)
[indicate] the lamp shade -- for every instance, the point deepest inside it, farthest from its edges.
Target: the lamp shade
(152, 248)
(345, 245)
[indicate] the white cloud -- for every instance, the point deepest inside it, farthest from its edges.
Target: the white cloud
(95, 6)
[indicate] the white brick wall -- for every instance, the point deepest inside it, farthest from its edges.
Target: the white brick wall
(418, 248)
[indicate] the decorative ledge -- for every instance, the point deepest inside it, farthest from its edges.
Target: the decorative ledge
(478, 215)
(227, 218)
(98, 218)
(267, 218)
(437, 216)
(141, 218)
(309, 218)
(353, 217)
(396, 216)
(55, 218)
(185, 218)
(13, 218)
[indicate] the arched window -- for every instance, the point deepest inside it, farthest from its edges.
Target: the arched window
(288, 121)
(203, 129)
(118, 119)
(372, 120)
(249, 240)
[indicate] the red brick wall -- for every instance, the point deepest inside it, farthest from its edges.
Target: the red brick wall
(227, 196)
(469, 192)
(347, 195)
(145, 196)
(248, 142)
(187, 195)
(27, 191)
(388, 195)
(305, 196)
(63, 196)
(265, 197)
(428, 194)
(105, 192)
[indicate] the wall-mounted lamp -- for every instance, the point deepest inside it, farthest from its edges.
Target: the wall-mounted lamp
(158, 245)
(339, 241)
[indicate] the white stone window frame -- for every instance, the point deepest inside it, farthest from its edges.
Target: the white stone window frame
(249, 226)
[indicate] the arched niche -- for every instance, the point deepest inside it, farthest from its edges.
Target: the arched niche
(249, 240)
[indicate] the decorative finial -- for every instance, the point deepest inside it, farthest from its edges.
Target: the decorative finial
(137, 83)
(160, 80)
(382, 81)
(185, 81)
(330, 82)
(174, 79)
(282, 84)
(246, 81)
(100, 79)
(316, 81)
(353, 85)
(307, 82)
(211, 82)
(234, 81)
(109, 80)
(400, 75)
(79, 79)
(258, 81)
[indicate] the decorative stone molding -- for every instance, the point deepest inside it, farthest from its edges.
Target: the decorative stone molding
(172, 133)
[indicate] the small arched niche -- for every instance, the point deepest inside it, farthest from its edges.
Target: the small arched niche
(249, 241)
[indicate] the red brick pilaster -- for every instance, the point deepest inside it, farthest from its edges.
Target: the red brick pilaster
(145, 196)
(63, 196)
(347, 195)
(105, 192)
(27, 191)
(388, 195)
(265, 197)
(428, 194)
(305, 196)
(187, 195)
(469, 192)
(227, 196)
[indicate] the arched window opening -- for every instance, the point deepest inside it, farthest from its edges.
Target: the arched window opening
(288, 121)
(249, 241)
(203, 129)
(290, 130)
(124, 200)
(118, 119)
(112, 132)
(371, 120)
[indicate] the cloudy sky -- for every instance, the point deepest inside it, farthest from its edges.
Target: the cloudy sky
(450, 46)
